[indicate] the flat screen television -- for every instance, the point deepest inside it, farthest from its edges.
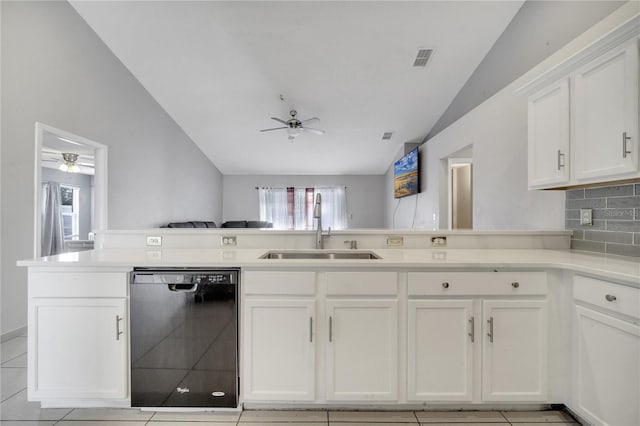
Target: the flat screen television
(406, 175)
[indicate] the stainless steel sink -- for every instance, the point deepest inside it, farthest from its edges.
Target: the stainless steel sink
(320, 254)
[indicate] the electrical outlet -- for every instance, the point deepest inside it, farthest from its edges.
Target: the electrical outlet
(154, 240)
(229, 240)
(586, 217)
(395, 241)
(154, 255)
(438, 241)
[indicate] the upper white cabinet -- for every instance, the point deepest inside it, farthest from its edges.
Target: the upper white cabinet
(605, 116)
(548, 134)
(583, 115)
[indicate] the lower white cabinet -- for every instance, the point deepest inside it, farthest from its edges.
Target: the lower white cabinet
(606, 386)
(279, 347)
(514, 355)
(441, 340)
(362, 350)
(77, 348)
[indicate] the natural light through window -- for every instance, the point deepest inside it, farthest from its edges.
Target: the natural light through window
(292, 208)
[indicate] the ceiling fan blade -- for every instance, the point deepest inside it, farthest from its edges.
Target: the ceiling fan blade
(275, 128)
(280, 121)
(309, 120)
(309, 129)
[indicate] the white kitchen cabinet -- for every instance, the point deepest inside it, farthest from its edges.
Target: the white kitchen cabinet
(279, 341)
(514, 355)
(605, 116)
(441, 336)
(461, 328)
(583, 114)
(608, 377)
(548, 134)
(606, 352)
(77, 348)
(362, 350)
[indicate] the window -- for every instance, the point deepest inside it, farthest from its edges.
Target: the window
(292, 208)
(70, 210)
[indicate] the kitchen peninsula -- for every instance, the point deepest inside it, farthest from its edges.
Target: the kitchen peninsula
(439, 320)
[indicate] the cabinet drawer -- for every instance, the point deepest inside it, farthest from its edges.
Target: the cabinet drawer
(279, 282)
(362, 283)
(477, 283)
(615, 297)
(78, 284)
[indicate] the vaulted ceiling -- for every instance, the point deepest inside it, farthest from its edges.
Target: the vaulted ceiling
(219, 70)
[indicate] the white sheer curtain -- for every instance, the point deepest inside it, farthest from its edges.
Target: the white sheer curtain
(292, 208)
(334, 207)
(273, 207)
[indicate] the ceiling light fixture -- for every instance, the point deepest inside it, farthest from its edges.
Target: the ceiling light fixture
(69, 165)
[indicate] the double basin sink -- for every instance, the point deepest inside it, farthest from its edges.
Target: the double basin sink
(320, 254)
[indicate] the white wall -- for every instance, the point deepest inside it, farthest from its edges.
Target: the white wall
(497, 129)
(365, 195)
(55, 70)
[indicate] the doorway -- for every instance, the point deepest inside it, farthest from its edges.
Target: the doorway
(70, 191)
(460, 193)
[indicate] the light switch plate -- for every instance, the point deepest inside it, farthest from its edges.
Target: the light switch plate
(154, 240)
(586, 216)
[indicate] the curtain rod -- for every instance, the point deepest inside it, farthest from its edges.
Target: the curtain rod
(300, 187)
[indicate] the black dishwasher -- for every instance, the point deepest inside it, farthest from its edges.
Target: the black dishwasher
(184, 337)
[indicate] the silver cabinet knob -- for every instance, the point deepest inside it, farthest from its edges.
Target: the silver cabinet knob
(445, 285)
(610, 297)
(515, 284)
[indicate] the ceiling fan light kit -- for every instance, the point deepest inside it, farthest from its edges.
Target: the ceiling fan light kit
(295, 127)
(69, 165)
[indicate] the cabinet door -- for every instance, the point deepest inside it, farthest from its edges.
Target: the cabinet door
(514, 357)
(548, 136)
(607, 379)
(78, 348)
(279, 355)
(441, 337)
(362, 355)
(605, 110)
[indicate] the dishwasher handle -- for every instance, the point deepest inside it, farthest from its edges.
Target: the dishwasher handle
(183, 288)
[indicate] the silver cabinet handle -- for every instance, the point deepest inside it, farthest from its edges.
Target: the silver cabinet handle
(515, 284)
(330, 329)
(610, 297)
(311, 329)
(560, 156)
(625, 138)
(472, 326)
(118, 332)
(445, 285)
(490, 333)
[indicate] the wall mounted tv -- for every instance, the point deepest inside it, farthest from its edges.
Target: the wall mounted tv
(406, 175)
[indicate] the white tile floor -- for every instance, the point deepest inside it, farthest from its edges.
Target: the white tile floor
(15, 410)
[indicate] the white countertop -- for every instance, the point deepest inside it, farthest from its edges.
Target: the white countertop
(611, 267)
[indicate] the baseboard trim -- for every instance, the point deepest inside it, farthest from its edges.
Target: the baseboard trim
(13, 333)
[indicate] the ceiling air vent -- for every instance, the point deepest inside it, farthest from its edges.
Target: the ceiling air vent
(422, 58)
(386, 136)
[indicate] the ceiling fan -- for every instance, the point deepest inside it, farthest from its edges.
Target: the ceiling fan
(295, 127)
(68, 161)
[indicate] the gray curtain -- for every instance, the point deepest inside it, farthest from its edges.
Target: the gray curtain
(52, 241)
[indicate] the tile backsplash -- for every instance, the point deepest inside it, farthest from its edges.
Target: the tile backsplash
(615, 228)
